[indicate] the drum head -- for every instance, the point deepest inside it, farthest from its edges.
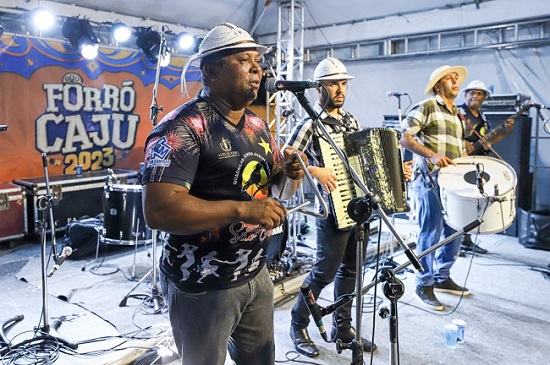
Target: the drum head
(463, 202)
(461, 179)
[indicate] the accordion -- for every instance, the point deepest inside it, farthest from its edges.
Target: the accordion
(375, 154)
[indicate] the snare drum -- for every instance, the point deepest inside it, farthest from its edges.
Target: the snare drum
(123, 220)
(463, 202)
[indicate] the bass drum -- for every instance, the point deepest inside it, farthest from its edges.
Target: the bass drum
(123, 220)
(462, 201)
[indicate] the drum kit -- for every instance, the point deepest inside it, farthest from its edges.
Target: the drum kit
(124, 224)
(479, 187)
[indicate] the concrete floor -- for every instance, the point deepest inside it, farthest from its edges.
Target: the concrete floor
(507, 314)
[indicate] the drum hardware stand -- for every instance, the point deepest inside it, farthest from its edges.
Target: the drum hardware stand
(363, 206)
(295, 268)
(98, 230)
(155, 297)
(47, 333)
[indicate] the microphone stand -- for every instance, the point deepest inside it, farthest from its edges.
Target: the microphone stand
(155, 297)
(45, 332)
(360, 210)
(393, 290)
(389, 261)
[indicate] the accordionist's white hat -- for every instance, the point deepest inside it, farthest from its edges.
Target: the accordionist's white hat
(331, 69)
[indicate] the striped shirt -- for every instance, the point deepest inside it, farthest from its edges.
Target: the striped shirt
(436, 127)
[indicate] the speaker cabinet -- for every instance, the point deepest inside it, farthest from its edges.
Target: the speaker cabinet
(515, 150)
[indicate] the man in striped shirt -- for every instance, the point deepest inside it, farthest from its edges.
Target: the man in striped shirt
(435, 134)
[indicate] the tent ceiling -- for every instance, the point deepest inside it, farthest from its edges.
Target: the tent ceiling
(207, 13)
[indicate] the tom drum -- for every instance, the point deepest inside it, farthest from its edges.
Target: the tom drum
(462, 199)
(123, 220)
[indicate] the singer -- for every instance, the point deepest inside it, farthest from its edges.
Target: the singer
(336, 249)
(211, 168)
(422, 135)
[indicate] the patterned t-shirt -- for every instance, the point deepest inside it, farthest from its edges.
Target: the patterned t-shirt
(196, 147)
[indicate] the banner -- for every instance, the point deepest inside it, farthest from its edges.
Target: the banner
(93, 113)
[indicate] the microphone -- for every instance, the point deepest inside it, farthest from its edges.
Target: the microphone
(479, 178)
(67, 251)
(273, 85)
(314, 309)
(389, 94)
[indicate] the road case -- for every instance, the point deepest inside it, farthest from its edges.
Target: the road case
(13, 212)
(74, 197)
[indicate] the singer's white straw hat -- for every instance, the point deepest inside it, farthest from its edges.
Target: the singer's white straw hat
(222, 37)
(439, 72)
(331, 69)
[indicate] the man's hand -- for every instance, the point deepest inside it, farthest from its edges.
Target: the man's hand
(509, 124)
(469, 146)
(269, 213)
(407, 170)
(325, 176)
(291, 166)
(441, 160)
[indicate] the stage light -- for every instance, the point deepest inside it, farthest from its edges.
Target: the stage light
(149, 41)
(81, 35)
(42, 18)
(121, 32)
(185, 41)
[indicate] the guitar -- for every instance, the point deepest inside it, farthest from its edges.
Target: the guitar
(489, 137)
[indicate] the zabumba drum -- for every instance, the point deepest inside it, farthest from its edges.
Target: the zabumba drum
(478, 187)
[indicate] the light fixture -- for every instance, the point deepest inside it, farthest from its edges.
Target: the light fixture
(121, 31)
(82, 37)
(185, 41)
(149, 41)
(42, 18)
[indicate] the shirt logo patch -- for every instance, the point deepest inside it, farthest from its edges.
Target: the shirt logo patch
(160, 153)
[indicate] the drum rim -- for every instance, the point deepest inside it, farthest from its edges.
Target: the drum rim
(119, 242)
(125, 187)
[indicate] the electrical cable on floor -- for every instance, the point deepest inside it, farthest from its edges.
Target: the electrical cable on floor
(42, 350)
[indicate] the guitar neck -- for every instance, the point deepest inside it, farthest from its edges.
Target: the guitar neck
(489, 137)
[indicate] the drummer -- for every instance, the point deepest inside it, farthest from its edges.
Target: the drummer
(435, 134)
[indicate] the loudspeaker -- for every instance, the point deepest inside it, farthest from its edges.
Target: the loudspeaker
(515, 149)
(534, 229)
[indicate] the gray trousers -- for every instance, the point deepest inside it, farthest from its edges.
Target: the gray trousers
(206, 325)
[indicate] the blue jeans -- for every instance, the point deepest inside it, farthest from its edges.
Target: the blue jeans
(206, 325)
(437, 265)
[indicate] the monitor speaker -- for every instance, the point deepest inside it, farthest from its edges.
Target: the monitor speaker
(515, 150)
